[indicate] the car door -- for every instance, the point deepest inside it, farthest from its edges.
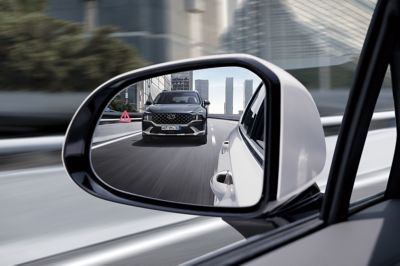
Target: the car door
(344, 233)
(240, 161)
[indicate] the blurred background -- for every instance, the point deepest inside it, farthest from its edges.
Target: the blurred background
(53, 53)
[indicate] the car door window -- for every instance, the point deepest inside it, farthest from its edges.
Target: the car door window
(259, 127)
(318, 42)
(377, 156)
(254, 112)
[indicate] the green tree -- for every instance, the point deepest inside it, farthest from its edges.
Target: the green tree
(118, 104)
(43, 53)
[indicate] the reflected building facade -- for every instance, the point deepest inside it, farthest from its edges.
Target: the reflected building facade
(160, 30)
(299, 36)
(229, 96)
(137, 94)
(182, 81)
(248, 92)
(314, 45)
(201, 86)
(295, 34)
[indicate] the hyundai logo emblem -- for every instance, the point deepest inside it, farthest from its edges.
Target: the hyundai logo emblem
(171, 116)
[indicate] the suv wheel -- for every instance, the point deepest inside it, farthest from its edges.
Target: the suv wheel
(203, 139)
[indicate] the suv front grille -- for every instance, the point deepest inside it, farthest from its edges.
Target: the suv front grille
(172, 118)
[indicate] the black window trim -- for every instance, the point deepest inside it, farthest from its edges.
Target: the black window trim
(381, 49)
(335, 208)
(248, 108)
(254, 147)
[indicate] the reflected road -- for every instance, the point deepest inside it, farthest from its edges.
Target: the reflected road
(175, 169)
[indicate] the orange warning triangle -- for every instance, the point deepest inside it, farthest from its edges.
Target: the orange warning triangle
(125, 117)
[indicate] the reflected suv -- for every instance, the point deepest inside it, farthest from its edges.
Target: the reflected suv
(176, 113)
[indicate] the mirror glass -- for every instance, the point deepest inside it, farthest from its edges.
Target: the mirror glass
(181, 137)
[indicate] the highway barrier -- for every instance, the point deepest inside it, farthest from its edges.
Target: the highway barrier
(22, 145)
(51, 143)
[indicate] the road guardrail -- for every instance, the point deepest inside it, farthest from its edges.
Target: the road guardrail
(117, 119)
(22, 145)
(337, 120)
(51, 143)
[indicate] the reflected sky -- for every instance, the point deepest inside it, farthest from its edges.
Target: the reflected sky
(217, 77)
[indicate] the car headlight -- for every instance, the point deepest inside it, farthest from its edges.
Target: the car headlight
(147, 117)
(199, 115)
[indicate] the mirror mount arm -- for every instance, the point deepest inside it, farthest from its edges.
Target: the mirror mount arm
(250, 227)
(305, 204)
(308, 202)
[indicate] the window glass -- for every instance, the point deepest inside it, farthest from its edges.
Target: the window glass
(377, 156)
(318, 42)
(177, 98)
(253, 111)
(376, 159)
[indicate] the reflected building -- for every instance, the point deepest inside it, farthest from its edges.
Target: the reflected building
(153, 86)
(294, 34)
(137, 94)
(229, 96)
(182, 81)
(248, 92)
(201, 86)
(299, 36)
(160, 30)
(314, 45)
(289, 33)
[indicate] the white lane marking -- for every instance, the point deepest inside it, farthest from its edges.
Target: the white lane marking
(213, 140)
(117, 119)
(116, 140)
(211, 127)
(97, 140)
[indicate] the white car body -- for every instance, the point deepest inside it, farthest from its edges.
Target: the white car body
(302, 148)
(247, 173)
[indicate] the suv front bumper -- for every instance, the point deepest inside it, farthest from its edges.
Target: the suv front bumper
(194, 128)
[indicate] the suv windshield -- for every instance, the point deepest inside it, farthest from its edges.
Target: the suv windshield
(177, 98)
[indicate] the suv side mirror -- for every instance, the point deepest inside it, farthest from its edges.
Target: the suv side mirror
(206, 102)
(148, 102)
(264, 161)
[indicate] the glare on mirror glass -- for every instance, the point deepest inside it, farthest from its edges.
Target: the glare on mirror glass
(176, 138)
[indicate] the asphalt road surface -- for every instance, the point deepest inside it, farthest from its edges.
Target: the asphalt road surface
(43, 213)
(171, 169)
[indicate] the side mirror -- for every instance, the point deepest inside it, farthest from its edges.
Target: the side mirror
(148, 102)
(206, 102)
(273, 153)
